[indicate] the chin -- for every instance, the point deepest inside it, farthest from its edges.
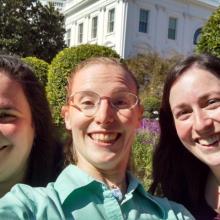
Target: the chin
(212, 162)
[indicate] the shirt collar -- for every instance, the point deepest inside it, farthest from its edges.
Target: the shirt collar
(134, 184)
(73, 178)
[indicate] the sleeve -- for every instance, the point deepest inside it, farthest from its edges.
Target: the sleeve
(181, 212)
(24, 202)
(16, 205)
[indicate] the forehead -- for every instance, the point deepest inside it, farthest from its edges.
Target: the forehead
(10, 90)
(103, 77)
(196, 77)
(193, 84)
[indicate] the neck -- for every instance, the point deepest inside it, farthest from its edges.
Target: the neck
(113, 178)
(6, 185)
(7, 182)
(212, 192)
(120, 183)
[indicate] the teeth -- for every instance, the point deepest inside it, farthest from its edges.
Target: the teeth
(104, 137)
(208, 141)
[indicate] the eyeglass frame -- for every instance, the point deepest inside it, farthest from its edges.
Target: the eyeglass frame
(99, 101)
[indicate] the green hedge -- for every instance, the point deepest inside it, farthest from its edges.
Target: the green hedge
(151, 104)
(142, 151)
(60, 69)
(40, 68)
(209, 40)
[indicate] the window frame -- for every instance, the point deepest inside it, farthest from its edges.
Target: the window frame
(80, 32)
(143, 23)
(94, 30)
(68, 37)
(172, 31)
(111, 20)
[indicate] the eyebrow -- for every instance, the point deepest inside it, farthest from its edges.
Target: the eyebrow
(200, 98)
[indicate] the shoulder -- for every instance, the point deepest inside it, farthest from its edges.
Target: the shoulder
(167, 208)
(26, 202)
(173, 208)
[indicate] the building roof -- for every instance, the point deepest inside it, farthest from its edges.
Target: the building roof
(215, 3)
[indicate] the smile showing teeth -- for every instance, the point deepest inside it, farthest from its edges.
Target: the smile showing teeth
(208, 141)
(104, 137)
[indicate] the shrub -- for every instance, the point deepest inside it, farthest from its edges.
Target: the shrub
(40, 68)
(142, 151)
(209, 41)
(151, 106)
(142, 156)
(150, 70)
(60, 69)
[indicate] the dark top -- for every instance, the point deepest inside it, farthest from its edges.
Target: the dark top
(205, 212)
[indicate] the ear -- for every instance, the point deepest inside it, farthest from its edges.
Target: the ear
(140, 115)
(65, 112)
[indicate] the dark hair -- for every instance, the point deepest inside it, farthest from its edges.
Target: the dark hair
(178, 174)
(45, 161)
(70, 155)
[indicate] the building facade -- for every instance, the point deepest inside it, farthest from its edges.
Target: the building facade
(58, 4)
(137, 26)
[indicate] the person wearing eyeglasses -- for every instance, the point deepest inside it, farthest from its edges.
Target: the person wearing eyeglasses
(102, 113)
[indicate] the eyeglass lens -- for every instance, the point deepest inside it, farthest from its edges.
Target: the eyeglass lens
(88, 101)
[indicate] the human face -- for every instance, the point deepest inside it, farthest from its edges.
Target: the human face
(104, 140)
(195, 104)
(16, 130)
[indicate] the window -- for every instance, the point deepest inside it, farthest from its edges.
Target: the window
(94, 27)
(197, 36)
(80, 33)
(68, 34)
(172, 28)
(143, 21)
(111, 20)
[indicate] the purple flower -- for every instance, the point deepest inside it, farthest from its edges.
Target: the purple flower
(149, 125)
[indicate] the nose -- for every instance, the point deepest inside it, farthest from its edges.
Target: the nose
(104, 115)
(202, 121)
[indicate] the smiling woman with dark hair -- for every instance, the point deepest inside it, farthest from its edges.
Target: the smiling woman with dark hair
(29, 151)
(186, 162)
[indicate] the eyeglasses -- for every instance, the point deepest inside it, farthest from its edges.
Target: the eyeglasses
(88, 102)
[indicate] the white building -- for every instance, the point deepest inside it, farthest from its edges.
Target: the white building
(58, 4)
(137, 26)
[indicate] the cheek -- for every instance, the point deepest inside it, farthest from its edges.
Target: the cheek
(79, 123)
(215, 115)
(17, 132)
(129, 122)
(183, 131)
(9, 130)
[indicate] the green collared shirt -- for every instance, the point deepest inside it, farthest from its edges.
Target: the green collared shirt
(76, 195)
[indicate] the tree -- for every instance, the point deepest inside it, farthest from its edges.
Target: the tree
(14, 26)
(27, 28)
(48, 31)
(209, 41)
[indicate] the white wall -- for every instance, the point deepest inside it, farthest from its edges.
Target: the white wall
(126, 38)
